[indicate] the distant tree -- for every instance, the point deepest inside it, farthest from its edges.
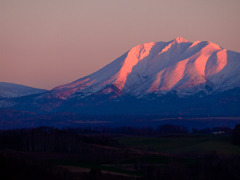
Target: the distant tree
(236, 135)
(201, 131)
(169, 129)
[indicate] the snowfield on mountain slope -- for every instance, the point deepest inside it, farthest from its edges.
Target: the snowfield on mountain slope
(159, 67)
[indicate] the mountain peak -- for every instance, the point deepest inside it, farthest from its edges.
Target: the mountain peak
(179, 40)
(158, 67)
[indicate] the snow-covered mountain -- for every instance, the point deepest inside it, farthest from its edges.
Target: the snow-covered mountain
(11, 90)
(151, 81)
(160, 67)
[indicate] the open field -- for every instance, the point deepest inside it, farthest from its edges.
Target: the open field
(189, 144)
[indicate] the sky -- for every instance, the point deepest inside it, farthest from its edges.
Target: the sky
(48, 43)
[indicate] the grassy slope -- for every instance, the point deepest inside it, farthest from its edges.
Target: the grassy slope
(191, 144)
(169, 150)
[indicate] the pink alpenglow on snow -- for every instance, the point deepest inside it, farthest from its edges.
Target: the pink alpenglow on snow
(135, 55)
(159, 67)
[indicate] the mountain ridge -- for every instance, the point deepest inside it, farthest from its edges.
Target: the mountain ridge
(158, 67)
(175, 79)
(10, 90)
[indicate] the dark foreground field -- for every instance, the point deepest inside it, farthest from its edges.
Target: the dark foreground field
(127, 153)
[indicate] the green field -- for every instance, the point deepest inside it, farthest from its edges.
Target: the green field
(188, 144)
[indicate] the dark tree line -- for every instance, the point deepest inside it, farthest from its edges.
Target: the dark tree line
(163, 130)
(224, 130)
(72, 140)
(47, 139)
